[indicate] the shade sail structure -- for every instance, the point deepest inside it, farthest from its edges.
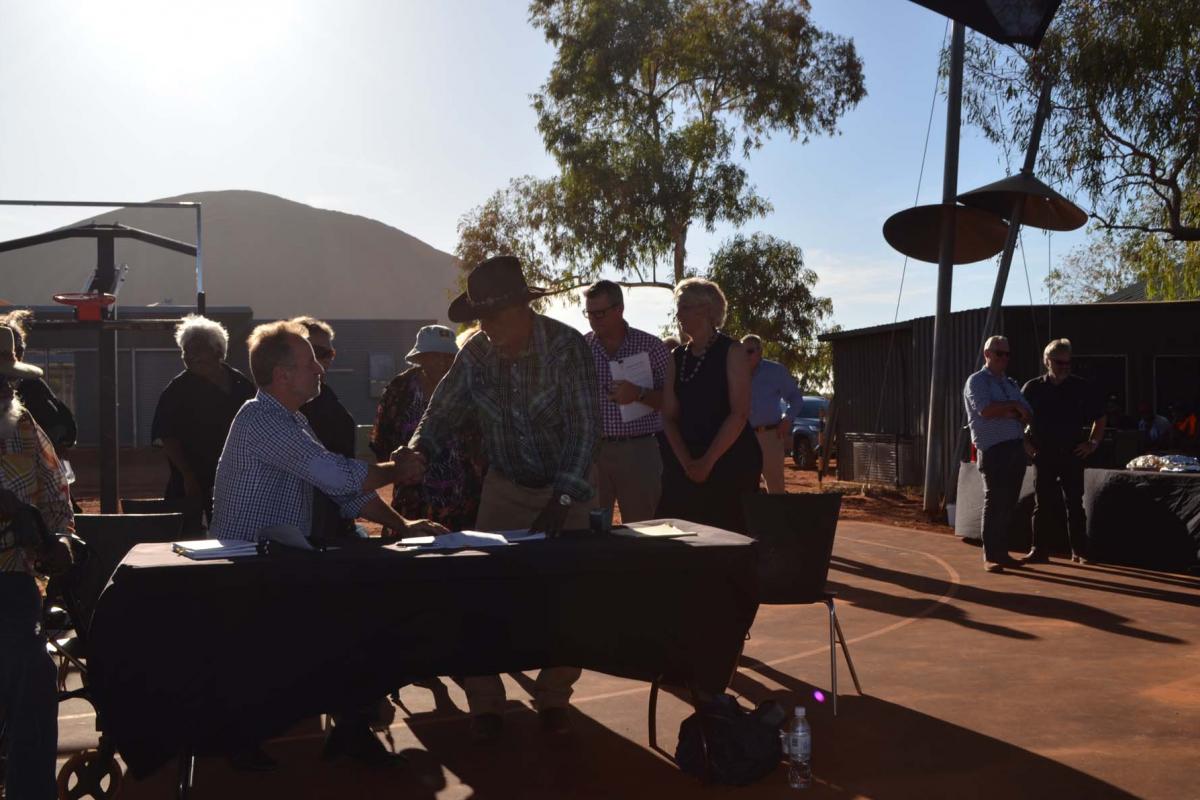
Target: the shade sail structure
(1044, 207)
(917, 232)
(1006, 21)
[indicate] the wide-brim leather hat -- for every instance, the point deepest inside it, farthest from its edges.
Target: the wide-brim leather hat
(10, 366)
(494, 284)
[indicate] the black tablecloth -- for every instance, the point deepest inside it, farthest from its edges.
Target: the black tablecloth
(1147, 519)
(216, 655)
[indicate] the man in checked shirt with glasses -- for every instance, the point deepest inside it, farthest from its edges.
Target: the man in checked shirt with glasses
(530, 383)
(628, 461)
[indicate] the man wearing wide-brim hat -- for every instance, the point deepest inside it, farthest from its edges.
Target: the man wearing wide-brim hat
(35, 509)
(530, 384)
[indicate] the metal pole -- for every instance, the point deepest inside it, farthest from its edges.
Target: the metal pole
(109, 441)
(937, 385)
(1014, 218)
(200, 299)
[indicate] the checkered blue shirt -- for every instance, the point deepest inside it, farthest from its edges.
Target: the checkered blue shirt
(270, 464)
(635, 342)
(982, 389)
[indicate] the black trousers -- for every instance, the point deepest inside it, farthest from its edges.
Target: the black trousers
(1002, 467)
(1059, 483)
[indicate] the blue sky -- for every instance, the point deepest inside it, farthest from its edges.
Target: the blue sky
(413, 112)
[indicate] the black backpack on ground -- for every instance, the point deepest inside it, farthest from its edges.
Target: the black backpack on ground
(743, 746)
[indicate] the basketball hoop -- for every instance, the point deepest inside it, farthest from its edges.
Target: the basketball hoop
(88, 305)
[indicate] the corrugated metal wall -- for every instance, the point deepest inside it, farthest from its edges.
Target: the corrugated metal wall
(1137, 331)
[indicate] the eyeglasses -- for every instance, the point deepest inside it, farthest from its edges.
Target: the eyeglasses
(323, 353)
(598, 313)
(1001, 353)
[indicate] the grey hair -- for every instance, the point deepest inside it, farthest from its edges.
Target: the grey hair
(707, 292)
(1055, 347)
(992, 341)
(194, 327)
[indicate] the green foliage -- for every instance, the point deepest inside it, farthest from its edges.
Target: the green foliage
(1113, 259)
(649, 103)
(769, 292)
(1125, 121)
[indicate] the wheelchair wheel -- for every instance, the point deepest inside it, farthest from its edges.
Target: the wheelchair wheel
(90, 775)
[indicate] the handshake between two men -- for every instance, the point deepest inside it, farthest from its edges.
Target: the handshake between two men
(408, 467)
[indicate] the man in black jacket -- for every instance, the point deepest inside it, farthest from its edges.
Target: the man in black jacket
(334, 427)
(1064, 405)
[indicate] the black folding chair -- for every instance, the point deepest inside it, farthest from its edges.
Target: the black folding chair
(795, 534)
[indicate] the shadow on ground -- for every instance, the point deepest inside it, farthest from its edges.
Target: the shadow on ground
(873, 748)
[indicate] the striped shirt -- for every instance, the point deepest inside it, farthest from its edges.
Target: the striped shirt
(30, 469)
(270, 464)
(982, 389)
(635, 342)
(538, 413)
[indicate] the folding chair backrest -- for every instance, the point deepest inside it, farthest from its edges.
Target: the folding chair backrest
(109, 537)
(795, 535)
(193, 523)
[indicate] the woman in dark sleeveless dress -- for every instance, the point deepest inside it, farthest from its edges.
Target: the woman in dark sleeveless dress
(711, 458)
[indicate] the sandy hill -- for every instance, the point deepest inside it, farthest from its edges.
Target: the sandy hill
(279, 257)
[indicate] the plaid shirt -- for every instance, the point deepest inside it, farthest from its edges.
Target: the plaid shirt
(982, 389)
(30, 469)
(270, 464)
(635, 342)
(537, 413)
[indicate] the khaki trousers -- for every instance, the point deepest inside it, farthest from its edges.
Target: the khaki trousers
(507, 506)
(772, 453)
(629, 471)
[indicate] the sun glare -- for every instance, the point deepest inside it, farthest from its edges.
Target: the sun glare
(176, 46)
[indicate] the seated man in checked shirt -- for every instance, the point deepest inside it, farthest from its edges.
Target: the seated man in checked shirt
(272, 459)
(271, 464)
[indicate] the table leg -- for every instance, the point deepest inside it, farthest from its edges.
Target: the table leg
(187, 772)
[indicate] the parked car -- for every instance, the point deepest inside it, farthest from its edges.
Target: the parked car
(806, 431)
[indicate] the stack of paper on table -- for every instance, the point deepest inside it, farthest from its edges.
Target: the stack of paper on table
(204, 549)
(458, 540)
(658, 530)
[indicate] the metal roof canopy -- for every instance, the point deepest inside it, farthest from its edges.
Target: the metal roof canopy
(106, 329)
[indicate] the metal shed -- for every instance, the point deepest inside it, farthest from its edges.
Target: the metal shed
(1138, 351)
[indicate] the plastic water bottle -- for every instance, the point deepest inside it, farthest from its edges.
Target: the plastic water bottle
(797, 747)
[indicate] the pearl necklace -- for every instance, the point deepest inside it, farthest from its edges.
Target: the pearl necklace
(684, 375)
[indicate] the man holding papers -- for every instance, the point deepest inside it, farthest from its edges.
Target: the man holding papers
(631, 366)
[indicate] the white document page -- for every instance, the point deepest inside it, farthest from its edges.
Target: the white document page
(636, 370)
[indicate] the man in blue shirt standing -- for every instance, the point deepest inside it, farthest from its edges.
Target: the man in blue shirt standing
(771, 385)
(997, 414)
